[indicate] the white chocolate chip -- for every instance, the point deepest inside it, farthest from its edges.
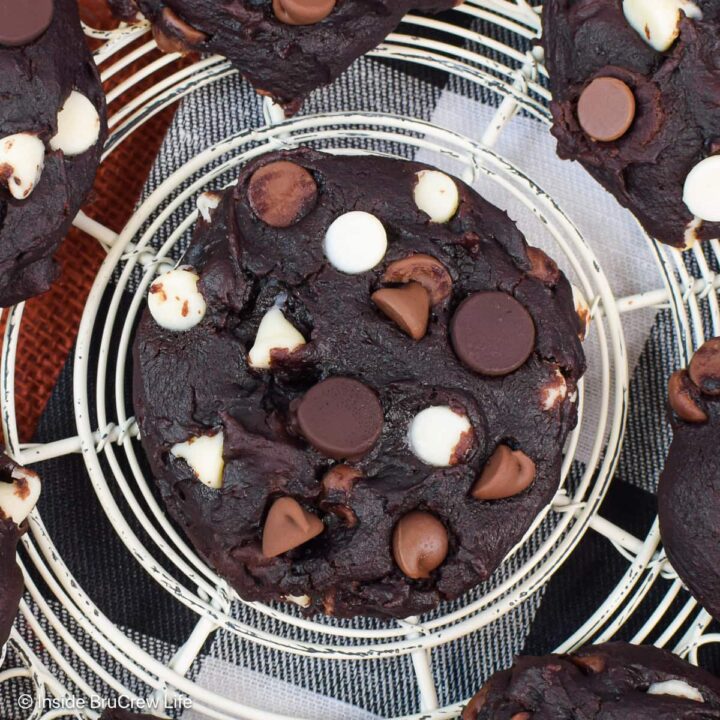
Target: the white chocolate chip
(78, 126)
(303, 601)
(437, 195)
(656, 21)
(174, 300)
(554, 392)
(355, 242)
(582, 309)
(22, 159)
(204, 454)
(274, 333)
(207, 202)
(690, 239)
(702, 189)
(435, 434)
(678, 688)
(18, 498)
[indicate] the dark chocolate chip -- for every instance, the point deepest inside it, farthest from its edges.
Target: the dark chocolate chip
(172, 34)
(492, 333)
(407, 306)
(705, 367)
(682, 396)
(281, 193)
(420, 544)
(302, 12)
(423, 269)
(288, 526)
(23, 21)
(606, 109)
(506, 474)
(341, 418)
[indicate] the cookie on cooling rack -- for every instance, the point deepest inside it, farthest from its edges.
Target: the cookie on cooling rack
(285, 48)
(614, 681)
(689, 489)
(636, 91)
(118, 714)
(19, 491)
(356, 389)
(52, 130)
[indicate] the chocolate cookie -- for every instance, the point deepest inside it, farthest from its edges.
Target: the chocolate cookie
(52, 130)
(614, 681)
(19, 491)
(285, 48)
(636, 87)
(356, 388)
(689, 489)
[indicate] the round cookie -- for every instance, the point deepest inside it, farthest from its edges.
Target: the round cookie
(52, 131)
(636, 87)
(689, 488)
(313, 438)
(19, 491)
(285, 48)
(613, 681)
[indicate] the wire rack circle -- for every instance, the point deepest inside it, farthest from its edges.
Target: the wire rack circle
(107, 434)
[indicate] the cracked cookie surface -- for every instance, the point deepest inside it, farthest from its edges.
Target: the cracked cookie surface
(285, 57)
(52, 130)
(613, 681)
(326, 434)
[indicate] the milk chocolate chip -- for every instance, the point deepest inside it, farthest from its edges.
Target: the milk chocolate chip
(420, 544)
(425, 270)
(302, 12)
(172, 34)
(682, 396)
(492, 333)
(606, 109)
(340, 417)
(408, 307)
(507, 473)
(23, 21)
(337, 486)
(704, 367)
(281, 193)
(544, 268)
(288, 526)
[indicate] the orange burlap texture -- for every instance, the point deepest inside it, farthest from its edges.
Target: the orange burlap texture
(50, 322)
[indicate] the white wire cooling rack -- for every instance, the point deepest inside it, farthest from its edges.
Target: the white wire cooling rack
(107, 434)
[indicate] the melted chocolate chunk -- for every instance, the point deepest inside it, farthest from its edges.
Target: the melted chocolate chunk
(599, 682)
(327, 425)
(492, 333)
(286, 48)
(674, 121)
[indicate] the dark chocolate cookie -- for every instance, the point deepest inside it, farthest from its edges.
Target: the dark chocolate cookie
(636, 91)
(285, 48)
(19, 491)
(356, 389)
(689, 489)
(118, 714)
(614, 681)
(52, 130)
